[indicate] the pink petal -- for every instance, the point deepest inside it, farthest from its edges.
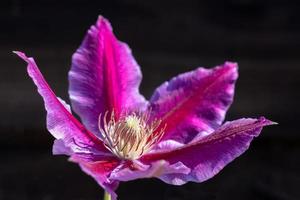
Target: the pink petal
(70, 134)
(208, 156)
(104, 76)
(194, 102)
(100, 171)
(137, 170)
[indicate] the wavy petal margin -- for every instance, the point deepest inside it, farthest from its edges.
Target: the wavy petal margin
(195, 102)
(69, 132)
(206, 157)
(104, 77)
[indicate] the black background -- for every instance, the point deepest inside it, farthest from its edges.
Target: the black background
(167, 38)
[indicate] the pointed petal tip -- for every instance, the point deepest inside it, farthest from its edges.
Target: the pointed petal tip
(233, 68)
(100, 17)
(102, 21)
(232, 65)
(266, 122)
(21, 55)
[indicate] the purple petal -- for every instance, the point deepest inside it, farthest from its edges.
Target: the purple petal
(104, 76)
(209, 155)
(59, 148)
(137, 170)
(70, 134)
(194, 102)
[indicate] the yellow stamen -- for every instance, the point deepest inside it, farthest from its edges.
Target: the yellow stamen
(130, 136)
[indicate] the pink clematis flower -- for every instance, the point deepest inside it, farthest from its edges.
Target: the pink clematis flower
(176, 136)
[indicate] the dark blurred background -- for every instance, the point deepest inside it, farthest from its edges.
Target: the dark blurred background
(167, 38)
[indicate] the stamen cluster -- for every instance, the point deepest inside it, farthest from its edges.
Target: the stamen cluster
(130, 136)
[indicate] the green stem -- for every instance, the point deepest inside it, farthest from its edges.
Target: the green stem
(107, 196)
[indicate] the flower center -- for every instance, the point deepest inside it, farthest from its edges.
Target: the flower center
(133, 122)
(130, 136)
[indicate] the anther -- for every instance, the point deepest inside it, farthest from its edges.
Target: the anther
(131, 135)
